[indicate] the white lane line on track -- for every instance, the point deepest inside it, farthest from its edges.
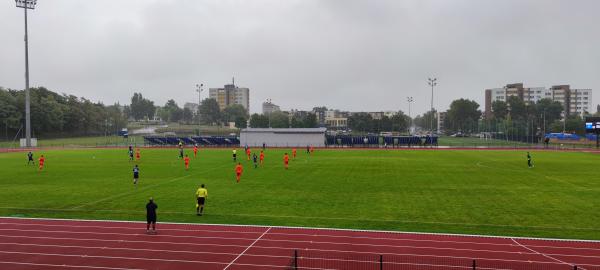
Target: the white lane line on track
(305, 234)
(543, 254)
(287, 248)
(144, 259)
(273, 240)
(322, 229)
(62, 266)
(122, 258)
(240, 255)
(283, 256)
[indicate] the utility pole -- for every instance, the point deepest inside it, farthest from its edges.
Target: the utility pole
(199, 89)
(564, 123)
(410, 100)
(544, 123)
(25, 5)
(432, 83)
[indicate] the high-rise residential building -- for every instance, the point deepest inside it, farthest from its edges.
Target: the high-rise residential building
(231, 94)
(580, 101)
(441, 121)
(575, 101)
(320, 114)
(268, 107)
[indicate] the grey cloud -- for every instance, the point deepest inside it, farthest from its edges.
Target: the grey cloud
(354, 55)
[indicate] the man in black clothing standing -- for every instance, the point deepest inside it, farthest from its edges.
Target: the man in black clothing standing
(30, 158)
(151, 216)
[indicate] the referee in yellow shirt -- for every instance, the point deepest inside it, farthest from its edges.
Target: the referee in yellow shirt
(201, 195)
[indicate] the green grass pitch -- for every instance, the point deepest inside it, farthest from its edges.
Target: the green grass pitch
(452, 191)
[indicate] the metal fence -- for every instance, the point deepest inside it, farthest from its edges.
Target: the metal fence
(311, 259)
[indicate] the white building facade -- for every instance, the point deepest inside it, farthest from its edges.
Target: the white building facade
(283, 137)
(575, 101)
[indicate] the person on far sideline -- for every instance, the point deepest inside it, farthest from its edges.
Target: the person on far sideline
(201, 195)
(529, 163)
(30, 158)
(151, 216)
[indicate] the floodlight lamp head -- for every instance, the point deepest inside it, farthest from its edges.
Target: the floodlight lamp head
(28, 4)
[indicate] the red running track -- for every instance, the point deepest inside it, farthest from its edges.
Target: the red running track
(78, 244)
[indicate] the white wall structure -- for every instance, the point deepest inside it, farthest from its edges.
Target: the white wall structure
(283, 137)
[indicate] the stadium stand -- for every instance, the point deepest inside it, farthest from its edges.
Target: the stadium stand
(392, 141)
(200, 140)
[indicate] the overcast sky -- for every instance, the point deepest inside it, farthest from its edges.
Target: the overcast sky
(364, 55)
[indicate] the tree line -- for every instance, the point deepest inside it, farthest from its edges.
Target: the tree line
(364, 122)
(54, 114)
(284, 120)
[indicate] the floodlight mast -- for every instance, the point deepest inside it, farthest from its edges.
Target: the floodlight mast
(25, 5)
(409, 100)
(199, 89)
(432, 83)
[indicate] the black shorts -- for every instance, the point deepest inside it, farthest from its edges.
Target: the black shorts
(201, 200)
(136, 176)
(234, 155)
(151, 219)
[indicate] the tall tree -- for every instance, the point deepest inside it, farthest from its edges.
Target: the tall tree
(188, 116)
(310, 121)
(209, 110)
(10, 116)
(141, 107)
(259, 121)
(550, 110)
(463, 115)
(500, 109)
(360, 122)
(233, 112)
(574, 124)
(400, 122)
(279, 120)
(171, 112)
(241, 122)
(517, 108)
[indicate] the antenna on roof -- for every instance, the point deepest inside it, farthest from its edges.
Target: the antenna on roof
(233, 81)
